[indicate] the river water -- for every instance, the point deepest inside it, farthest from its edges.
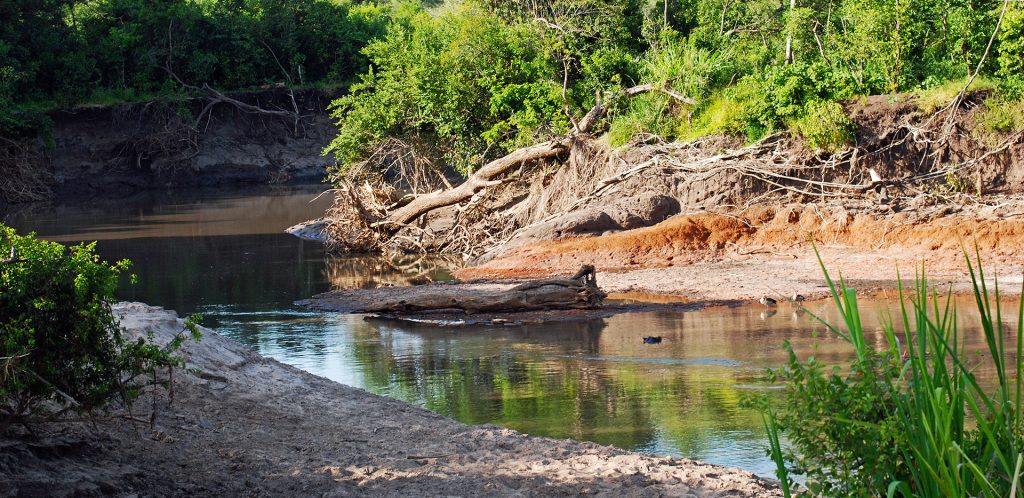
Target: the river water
(226, 257)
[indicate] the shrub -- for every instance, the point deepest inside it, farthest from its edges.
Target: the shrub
(1001, 116)
(682, 66)
(910, 419)
(1011, 51)
(653, 114)
(721, 114)
(933, 98)
(825, 125)
(459, 78)
(60, 346)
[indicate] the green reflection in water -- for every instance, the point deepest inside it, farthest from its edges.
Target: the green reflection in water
(566, 381)
(591, 380)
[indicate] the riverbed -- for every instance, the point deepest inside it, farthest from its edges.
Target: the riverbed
(225, 256)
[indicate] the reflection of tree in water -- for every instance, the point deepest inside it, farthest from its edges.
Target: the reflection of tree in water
(367, 272)
(548, 380)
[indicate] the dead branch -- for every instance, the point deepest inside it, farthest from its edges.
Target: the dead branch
(481, 179)
(24, 176)
(215, 97)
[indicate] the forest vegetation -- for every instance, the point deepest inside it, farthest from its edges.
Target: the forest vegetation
(468, 81)
(62, 53)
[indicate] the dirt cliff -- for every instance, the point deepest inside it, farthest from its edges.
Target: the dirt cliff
(119, 149)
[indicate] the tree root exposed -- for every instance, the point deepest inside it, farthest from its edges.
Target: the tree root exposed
(542, 183)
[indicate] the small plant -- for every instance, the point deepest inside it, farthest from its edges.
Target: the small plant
(957, 184)
(825, 125)
(61, 348)
(910, 419)
(938, 96)
(1001, 116)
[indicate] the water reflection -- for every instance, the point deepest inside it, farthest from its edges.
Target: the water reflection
(594, 380)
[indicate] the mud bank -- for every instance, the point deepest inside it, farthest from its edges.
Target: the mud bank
(758, 251)
(243, 424)
(125, 148)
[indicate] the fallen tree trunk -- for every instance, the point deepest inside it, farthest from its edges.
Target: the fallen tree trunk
(577, 292)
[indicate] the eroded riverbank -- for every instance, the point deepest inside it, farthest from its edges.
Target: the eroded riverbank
(770, 251)
(240, 423)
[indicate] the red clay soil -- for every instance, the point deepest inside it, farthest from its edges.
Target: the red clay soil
(757, 243)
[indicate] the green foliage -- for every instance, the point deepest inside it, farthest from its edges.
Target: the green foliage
(684, 68)
(59, 340)
(1002, 115)
(652, 114)
(472, 84)
(776, 452)
(1011, 51)
(910, 419)
(65, 52)
(471, 79)
(933, 98)
(825, 125)
(721, 114)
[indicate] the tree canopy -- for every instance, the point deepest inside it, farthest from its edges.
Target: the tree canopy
(474, 79)
(467, 80)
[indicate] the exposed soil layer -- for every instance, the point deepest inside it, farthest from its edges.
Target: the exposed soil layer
(762, 251)
(900, 156)
(241, 424)
(121, 149)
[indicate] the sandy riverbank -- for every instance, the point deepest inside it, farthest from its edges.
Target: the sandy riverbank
(241, 424)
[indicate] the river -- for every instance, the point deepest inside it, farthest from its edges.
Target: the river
(225, 256)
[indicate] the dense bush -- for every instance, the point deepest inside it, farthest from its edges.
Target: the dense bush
(909, 418)
(60, 345)
(461, 77)
(825, 125)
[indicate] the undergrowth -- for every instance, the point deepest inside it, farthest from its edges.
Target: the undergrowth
(61, 347)
(999, 117)
(825, 125)
(933, 98)
(909, 418)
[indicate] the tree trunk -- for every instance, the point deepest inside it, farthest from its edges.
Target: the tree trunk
(789, 33)
(577, 292)
(482, 178)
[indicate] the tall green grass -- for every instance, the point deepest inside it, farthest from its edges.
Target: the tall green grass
(912, 419)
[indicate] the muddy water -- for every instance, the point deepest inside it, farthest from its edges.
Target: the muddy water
(225, 257)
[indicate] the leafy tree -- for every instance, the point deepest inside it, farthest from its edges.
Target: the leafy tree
(460, 79)
(1011, 51)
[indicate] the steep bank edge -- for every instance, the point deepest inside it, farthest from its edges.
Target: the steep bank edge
(125, 148)
(240, 423)
(760, 251)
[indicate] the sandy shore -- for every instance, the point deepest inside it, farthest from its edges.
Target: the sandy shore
(241, 424)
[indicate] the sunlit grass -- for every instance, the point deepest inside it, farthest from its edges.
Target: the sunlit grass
(932, 99)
